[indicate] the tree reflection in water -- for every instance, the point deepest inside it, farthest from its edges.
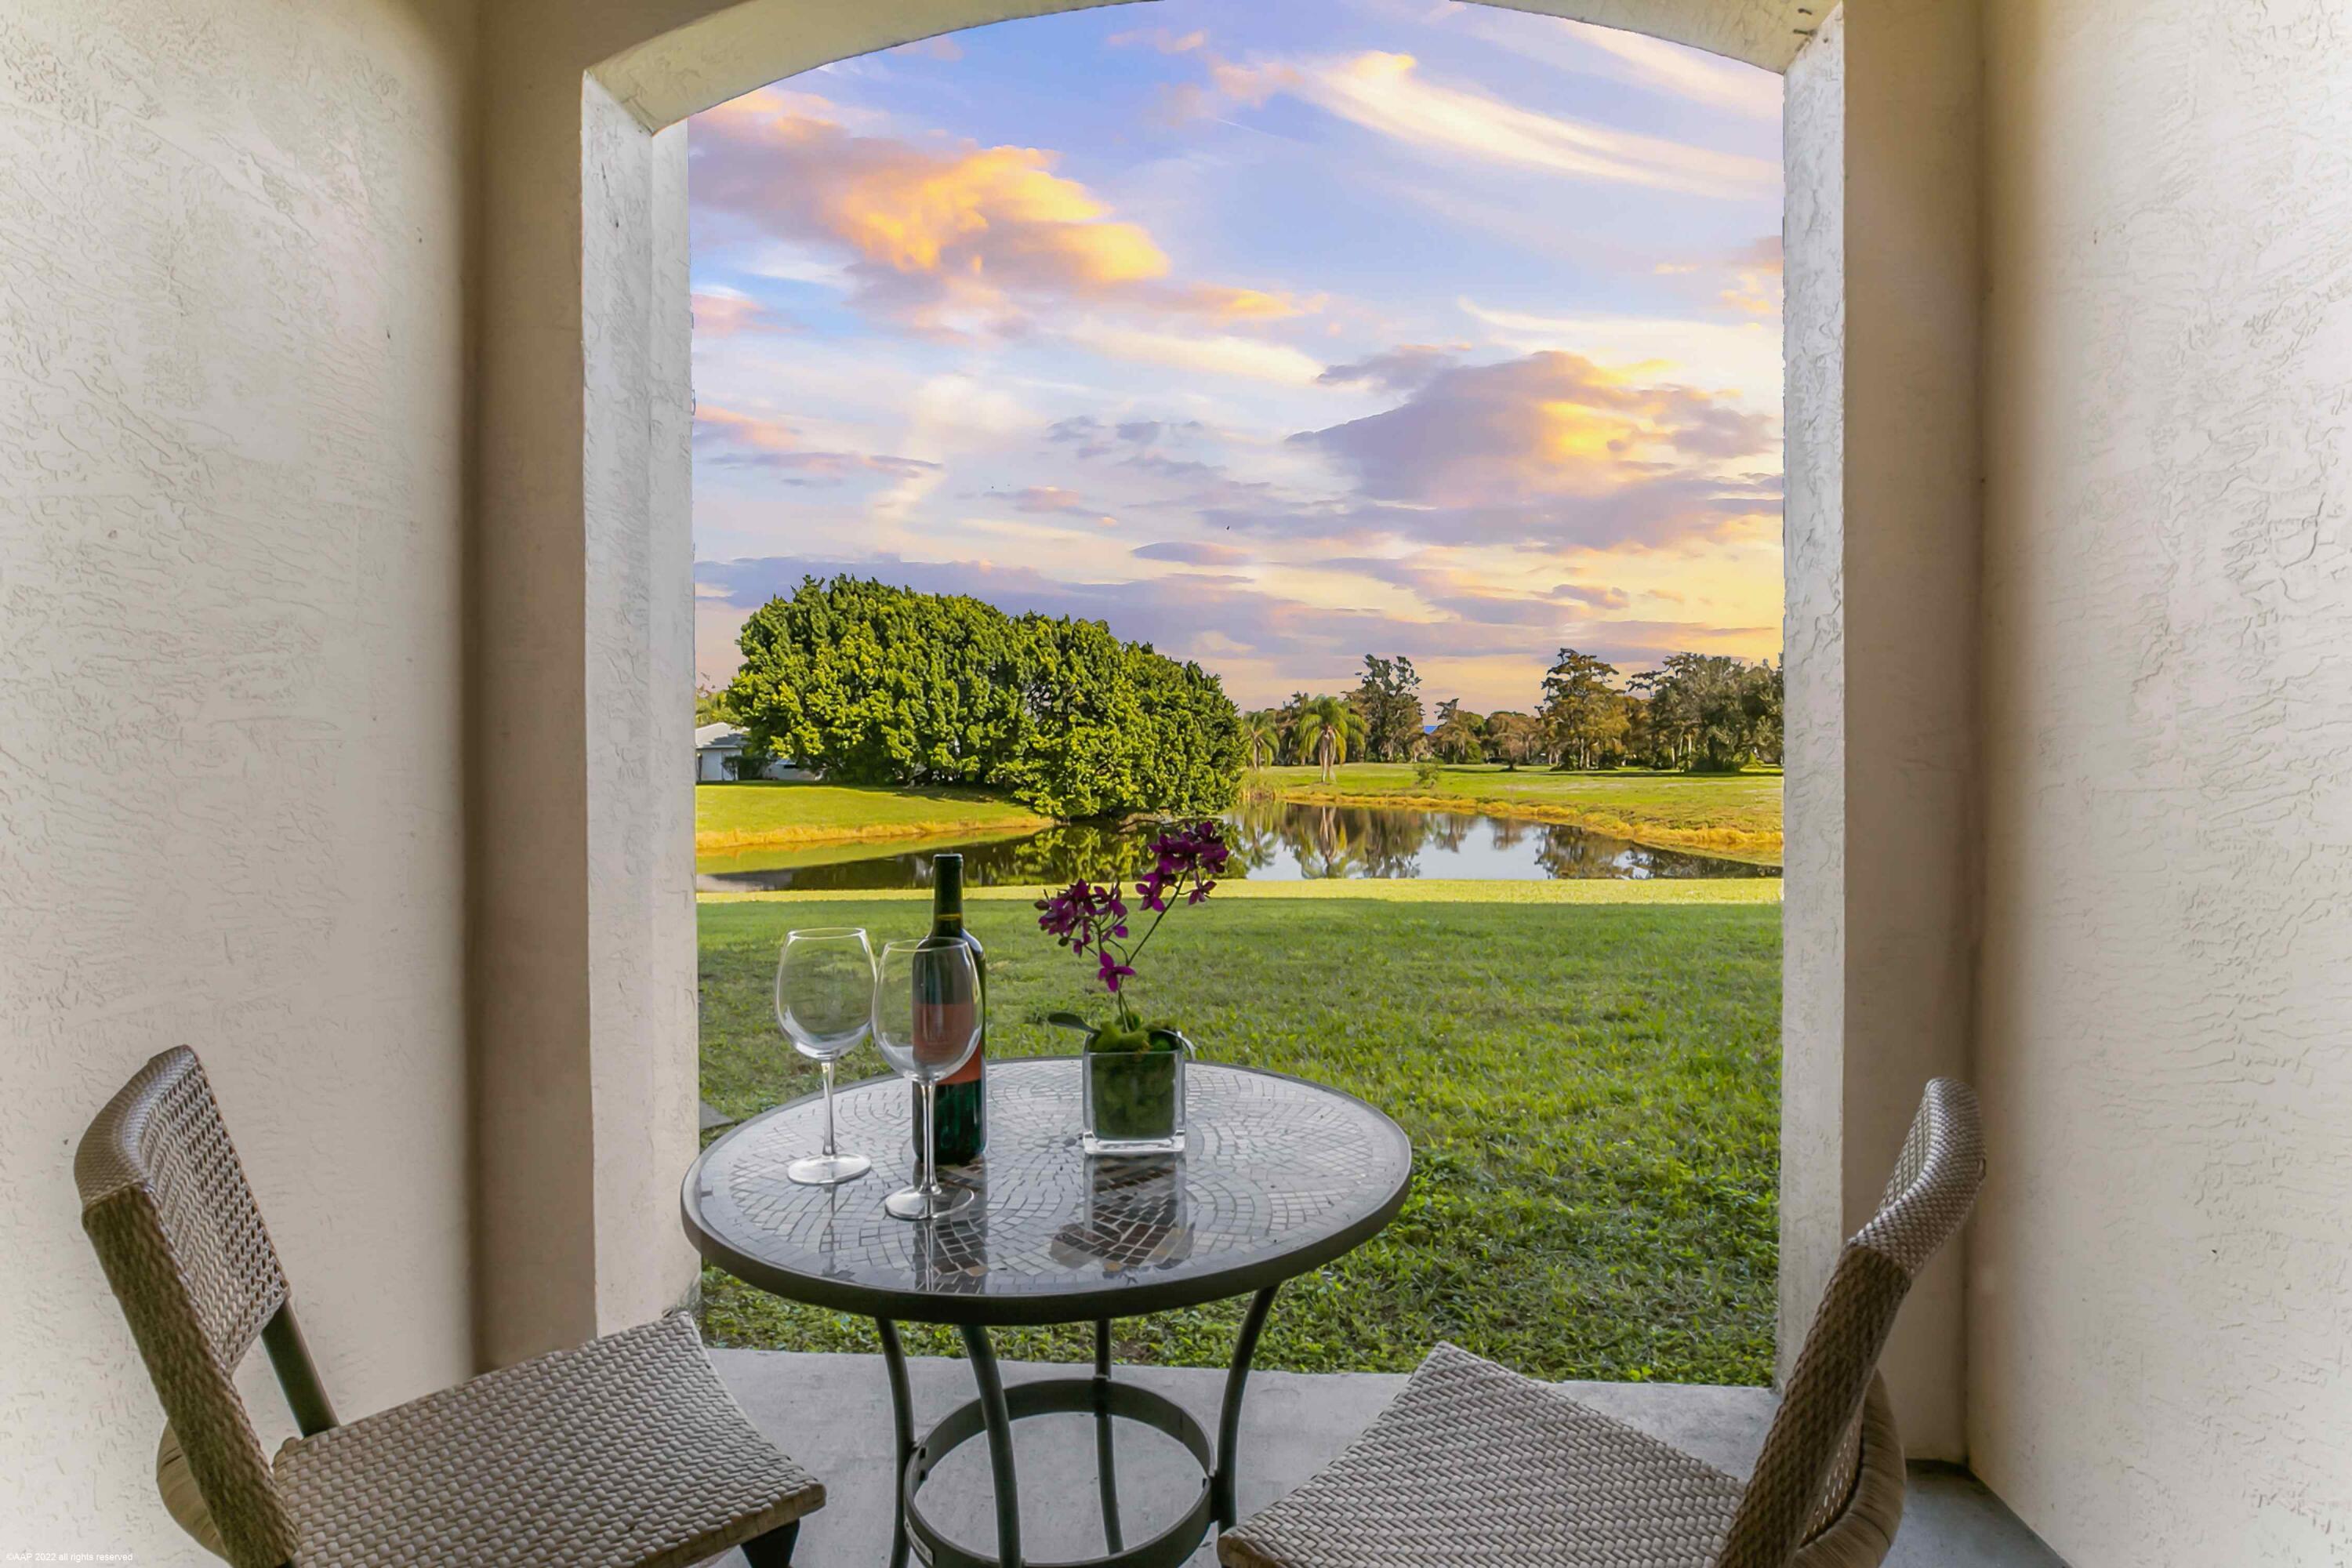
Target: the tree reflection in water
(1270, 839)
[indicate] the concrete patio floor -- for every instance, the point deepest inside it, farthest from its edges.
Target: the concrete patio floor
(833, 1413)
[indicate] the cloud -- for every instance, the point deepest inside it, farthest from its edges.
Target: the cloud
(1685, 73)
(942, 47)
(728, 440)
(955, 239)
(724, 314)
(1160, 38)
(1756, 287)
(1400, 369)
(1597, 598)
(1094, 438)
(1644, 513)
(1471, 598)
(1245, 304)
(1744, 356)
(1190, 554)
(1247, 359)
(1675, 69)
(1386, 93)
(1550, 424)
(1048, 498)
(1180, 613)
(1266, 642)
(1753, 274)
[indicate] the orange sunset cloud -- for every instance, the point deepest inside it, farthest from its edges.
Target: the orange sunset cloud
(946, 237)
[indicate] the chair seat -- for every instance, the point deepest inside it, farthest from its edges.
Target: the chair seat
(624, 1453)
(1475, 1467)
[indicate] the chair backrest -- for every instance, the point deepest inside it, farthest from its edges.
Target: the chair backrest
(1833, 1453)
(167, 1204)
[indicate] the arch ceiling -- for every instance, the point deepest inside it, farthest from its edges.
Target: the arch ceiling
(701, 60)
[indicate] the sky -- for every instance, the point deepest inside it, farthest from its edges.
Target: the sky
(1271, 335)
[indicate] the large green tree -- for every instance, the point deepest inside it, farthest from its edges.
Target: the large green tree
(1512, 738)
(1459, 734)
(1583, 716)
(1709, 713)
(872, 684)
(1389, 699)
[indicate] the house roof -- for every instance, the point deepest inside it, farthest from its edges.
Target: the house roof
(726, 737)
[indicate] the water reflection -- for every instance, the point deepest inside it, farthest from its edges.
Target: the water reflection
(1271, 841)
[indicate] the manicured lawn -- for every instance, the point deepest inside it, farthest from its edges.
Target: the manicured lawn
(770, 813)
(1591, 1080)
(1733, 815)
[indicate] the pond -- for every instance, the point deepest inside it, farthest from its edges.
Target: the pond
(1273, 840)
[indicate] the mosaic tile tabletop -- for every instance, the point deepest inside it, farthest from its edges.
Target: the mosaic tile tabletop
(1277, 1177)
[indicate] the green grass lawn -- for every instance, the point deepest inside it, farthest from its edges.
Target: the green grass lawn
(1732, 814)
(1591, 1080)
(774, 814)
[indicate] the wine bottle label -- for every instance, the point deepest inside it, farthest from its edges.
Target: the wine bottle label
(942, 1032)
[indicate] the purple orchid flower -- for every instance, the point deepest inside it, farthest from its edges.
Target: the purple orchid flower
(1090, 915)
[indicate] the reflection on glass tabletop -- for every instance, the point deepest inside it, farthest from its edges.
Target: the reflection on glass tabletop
(1280, 1176)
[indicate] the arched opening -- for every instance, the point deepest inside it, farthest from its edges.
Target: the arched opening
(1882, 954)
(1460, 350)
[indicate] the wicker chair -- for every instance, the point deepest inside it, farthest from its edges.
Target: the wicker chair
(1475, 1467)
(626, 1451)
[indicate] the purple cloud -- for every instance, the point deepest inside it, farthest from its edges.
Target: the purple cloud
(1552, 425)
(1402, 369)
(1188, 554)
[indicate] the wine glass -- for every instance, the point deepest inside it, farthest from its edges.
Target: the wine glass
(824, 989)
(926, 1022)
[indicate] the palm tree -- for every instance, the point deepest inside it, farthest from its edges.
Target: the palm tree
(1261, 735)
(1325, 726)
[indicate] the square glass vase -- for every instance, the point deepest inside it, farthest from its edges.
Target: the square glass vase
(1132, 1103)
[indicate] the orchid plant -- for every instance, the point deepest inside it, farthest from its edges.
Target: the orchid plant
(1093, 917)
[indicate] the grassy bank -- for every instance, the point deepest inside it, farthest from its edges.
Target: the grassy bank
(1590, 1079)
(770, 814)
(1735, 816)
(1378, 890)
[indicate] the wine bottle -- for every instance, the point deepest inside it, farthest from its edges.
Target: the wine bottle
(962, 1098)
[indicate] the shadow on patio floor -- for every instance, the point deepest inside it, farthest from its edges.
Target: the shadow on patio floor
(832, 1414)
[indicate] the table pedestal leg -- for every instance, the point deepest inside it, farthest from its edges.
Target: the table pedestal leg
(992, 1414)
(1105, 1460)
(1229, 1418)
(902, 1416)
(1000, 1445)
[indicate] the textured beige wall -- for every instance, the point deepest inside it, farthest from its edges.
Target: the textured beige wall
(2162, 1291)
(1812, 538)
(1883, 538)
(231, 455)
(1908, 601)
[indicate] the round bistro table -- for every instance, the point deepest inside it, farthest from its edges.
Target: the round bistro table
(1278, 1177)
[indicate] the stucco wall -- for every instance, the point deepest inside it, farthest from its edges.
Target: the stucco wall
(2162, 1291)
(1883, 540)
(231, 458)
(1813, 539)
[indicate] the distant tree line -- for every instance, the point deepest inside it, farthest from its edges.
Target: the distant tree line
(871, 684)
(1697, 714)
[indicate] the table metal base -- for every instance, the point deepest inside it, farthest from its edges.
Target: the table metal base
(997, 1407)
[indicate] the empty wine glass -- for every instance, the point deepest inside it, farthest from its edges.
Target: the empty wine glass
(926, 1022)
(824, 997)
